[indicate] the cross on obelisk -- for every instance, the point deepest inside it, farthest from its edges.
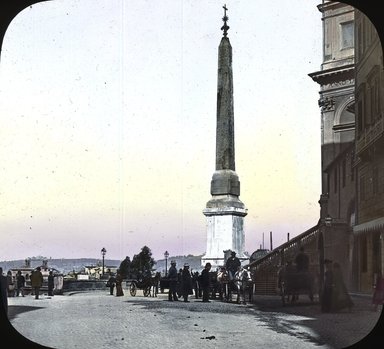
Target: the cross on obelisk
(225, 27)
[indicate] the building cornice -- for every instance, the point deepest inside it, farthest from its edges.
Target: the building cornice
(323, 77)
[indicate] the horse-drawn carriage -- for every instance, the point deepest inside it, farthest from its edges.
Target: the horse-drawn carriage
(293, 283)
(241, 285)
(147, 283)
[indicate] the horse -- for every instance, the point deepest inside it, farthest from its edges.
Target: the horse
(243, 283)
(225, 284)
(154, 284)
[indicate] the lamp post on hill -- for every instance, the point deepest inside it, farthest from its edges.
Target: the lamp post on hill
(103, 252)
(166, 255)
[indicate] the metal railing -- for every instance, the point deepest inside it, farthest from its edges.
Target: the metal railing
(288, 249)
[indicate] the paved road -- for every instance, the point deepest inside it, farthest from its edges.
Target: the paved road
(93, 320)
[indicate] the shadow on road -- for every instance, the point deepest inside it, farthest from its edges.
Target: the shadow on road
(14, 310)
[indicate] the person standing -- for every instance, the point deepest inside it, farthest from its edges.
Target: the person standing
(205, 281)
(51, 283)
(196, 284)
(173, 278)
(36, 281)
(232, 264)
(4, 290)
(186, 281)
(20, 283)
(111, 283)
(119, 284)
(11, 284)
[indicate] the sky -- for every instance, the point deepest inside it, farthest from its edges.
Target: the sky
(108, 124)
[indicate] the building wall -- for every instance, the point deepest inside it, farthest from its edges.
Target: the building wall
(369, 110)
(338, 40)
(337, 95)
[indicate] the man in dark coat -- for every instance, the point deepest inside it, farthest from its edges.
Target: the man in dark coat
(186, 282)
(205, 282)
(232, 265)
(36, 281)
(173, 278)
(20, 283)
(51, 283)
(111, 283)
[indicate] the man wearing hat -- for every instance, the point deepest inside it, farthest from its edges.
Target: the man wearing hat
(36, 281)
(232, 264)
(173, 277)
(186, 282)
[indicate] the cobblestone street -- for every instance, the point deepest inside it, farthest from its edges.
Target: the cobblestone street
(98, 320)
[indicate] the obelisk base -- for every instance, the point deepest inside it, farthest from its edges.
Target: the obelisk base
(225, 231)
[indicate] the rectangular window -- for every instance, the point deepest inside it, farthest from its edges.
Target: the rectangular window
(347, 35)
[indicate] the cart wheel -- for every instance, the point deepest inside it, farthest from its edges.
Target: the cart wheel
(132, 289)
(147, 291)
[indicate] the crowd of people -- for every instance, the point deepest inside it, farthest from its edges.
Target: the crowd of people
(184, 283)
(15, 285)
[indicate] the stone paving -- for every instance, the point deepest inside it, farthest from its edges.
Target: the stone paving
(97, 320)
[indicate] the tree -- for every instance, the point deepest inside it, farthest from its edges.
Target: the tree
(143, 262)
(125, 268)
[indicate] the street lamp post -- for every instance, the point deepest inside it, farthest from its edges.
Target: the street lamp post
(103, 252)
(166, 255)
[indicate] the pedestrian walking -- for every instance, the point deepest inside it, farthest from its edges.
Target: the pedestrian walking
(378, 294)
(20, 283)
(205, 281)
(51, 283)
(11, 284)
(186, 282)
(173, 281)
(111, 283)
(196, 284)
(4, 290)
(36, 281)
(119, 285)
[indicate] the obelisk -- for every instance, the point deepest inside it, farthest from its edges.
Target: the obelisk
(224, 212)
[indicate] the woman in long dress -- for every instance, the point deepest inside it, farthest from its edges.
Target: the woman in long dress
(119, 285)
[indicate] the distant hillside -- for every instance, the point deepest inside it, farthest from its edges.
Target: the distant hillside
(193, 261)
(62, 264)
(67, 265)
